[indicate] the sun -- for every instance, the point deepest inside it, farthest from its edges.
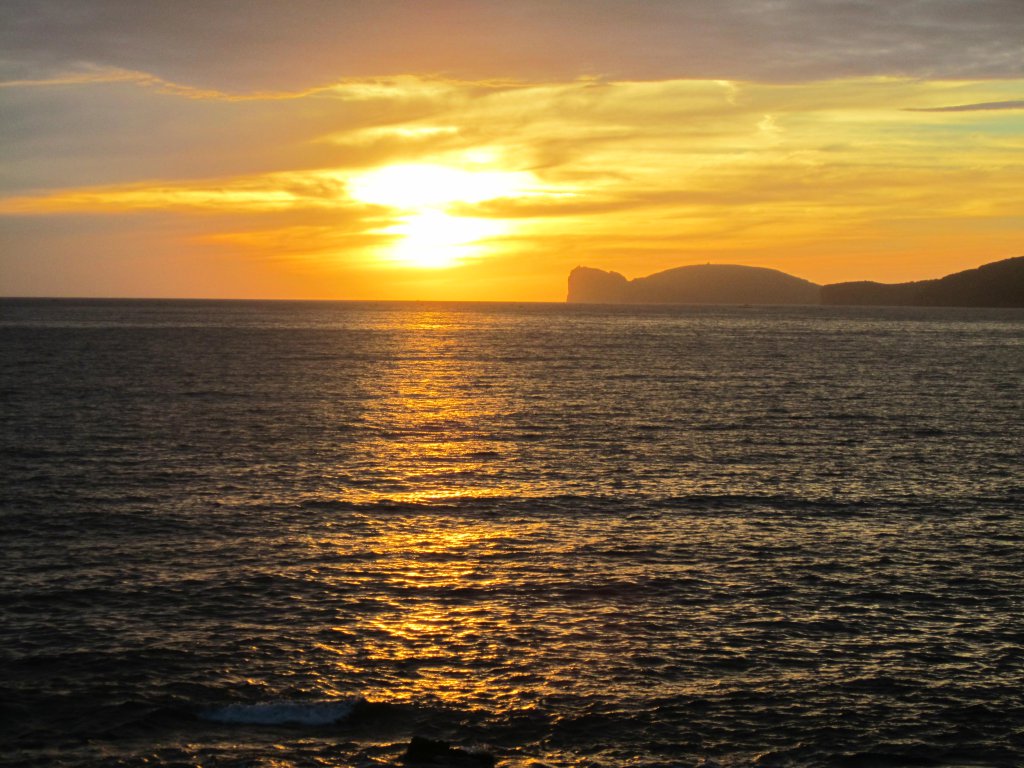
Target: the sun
(424, 185)
(431, 236)
(433, 239)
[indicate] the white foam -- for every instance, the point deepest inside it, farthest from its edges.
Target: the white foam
(282, 712)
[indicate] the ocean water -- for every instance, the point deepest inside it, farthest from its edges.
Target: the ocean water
(298, 534)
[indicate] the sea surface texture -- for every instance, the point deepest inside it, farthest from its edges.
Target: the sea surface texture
(298, 534)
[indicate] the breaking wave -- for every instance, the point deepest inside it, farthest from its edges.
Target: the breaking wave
(282, 713)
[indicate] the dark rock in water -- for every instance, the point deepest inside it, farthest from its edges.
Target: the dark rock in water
(423, 751)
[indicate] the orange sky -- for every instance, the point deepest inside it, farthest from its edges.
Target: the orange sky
(444, 174)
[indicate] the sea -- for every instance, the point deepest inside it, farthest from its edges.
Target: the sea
(276, 534)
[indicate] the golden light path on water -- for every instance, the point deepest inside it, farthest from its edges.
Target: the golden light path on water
(428, 448)
(477, 613)
(426, 427)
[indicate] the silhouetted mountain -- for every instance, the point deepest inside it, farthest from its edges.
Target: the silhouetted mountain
(696, 284)
(595, 286)
(999, 284)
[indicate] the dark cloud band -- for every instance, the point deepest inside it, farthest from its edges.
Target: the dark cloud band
(266, 44)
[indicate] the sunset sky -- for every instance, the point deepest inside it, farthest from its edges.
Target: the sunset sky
(480, 150)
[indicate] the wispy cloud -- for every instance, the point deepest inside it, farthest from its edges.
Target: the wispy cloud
(105, 75)
(303, 190)
(350, 88)
(985, 106)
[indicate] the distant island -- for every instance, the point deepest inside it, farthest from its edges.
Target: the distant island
(999, 284)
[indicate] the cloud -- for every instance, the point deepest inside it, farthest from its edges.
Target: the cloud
(216, 46)
(89, 75)
(986, 106)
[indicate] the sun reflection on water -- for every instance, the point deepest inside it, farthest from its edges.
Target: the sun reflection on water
(431, 433)
(459, 635)
(428, 438)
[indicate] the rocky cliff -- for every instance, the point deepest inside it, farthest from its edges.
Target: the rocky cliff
(595, 286)
(697, 284)
(999, 284)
